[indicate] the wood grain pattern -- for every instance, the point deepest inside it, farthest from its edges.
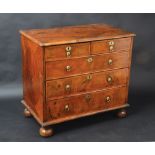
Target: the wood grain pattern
(78, 84)
(120, 45)
(79, 104)
(33, 76)
(57, 69)
(59, 52)
(52, 122)
(74, 34)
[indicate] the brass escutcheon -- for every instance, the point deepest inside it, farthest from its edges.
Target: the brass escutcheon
(68, 48)
(88, 97)
(88, 77)
(111, 43)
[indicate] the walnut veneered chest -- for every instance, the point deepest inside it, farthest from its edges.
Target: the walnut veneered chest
(75, 71)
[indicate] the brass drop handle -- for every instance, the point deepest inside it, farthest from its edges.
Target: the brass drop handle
(66, 108)
(68, 54)
(111, 48)
(88, 97)
(68, 68)
(109, 79)
(68, 87)
(88, 77)
(108, 99)
(110, 61)
(90, 60)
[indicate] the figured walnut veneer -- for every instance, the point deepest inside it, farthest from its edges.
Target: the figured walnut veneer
(75, 71)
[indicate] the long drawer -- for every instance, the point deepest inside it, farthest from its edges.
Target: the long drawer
(77, 66)
(94, 81)
(86, 103)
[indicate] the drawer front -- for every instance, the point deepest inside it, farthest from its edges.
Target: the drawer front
(84, 103)
(65, 68)
(114, 45)
(73, 85)
(67, 51)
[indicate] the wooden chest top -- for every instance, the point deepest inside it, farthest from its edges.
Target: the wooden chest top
(74, 34)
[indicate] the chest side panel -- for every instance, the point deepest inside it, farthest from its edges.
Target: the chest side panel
(33, 88)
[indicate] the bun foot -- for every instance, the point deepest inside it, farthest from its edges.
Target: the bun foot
(45, 132)
(27, 113)
(122, 113)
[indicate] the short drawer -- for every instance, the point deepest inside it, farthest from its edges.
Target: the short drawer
(83, 83)
(113, 45)
(67, 51)
(77, 66)
(86, 103)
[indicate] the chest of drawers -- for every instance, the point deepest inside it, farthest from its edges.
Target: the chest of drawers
(75, 71)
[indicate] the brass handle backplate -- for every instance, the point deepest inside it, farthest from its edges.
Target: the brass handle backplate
(67, 108)
(68, 68)
(109, 79)
(68, 87)
(108, 99)
(90, 60)
(110, 61)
